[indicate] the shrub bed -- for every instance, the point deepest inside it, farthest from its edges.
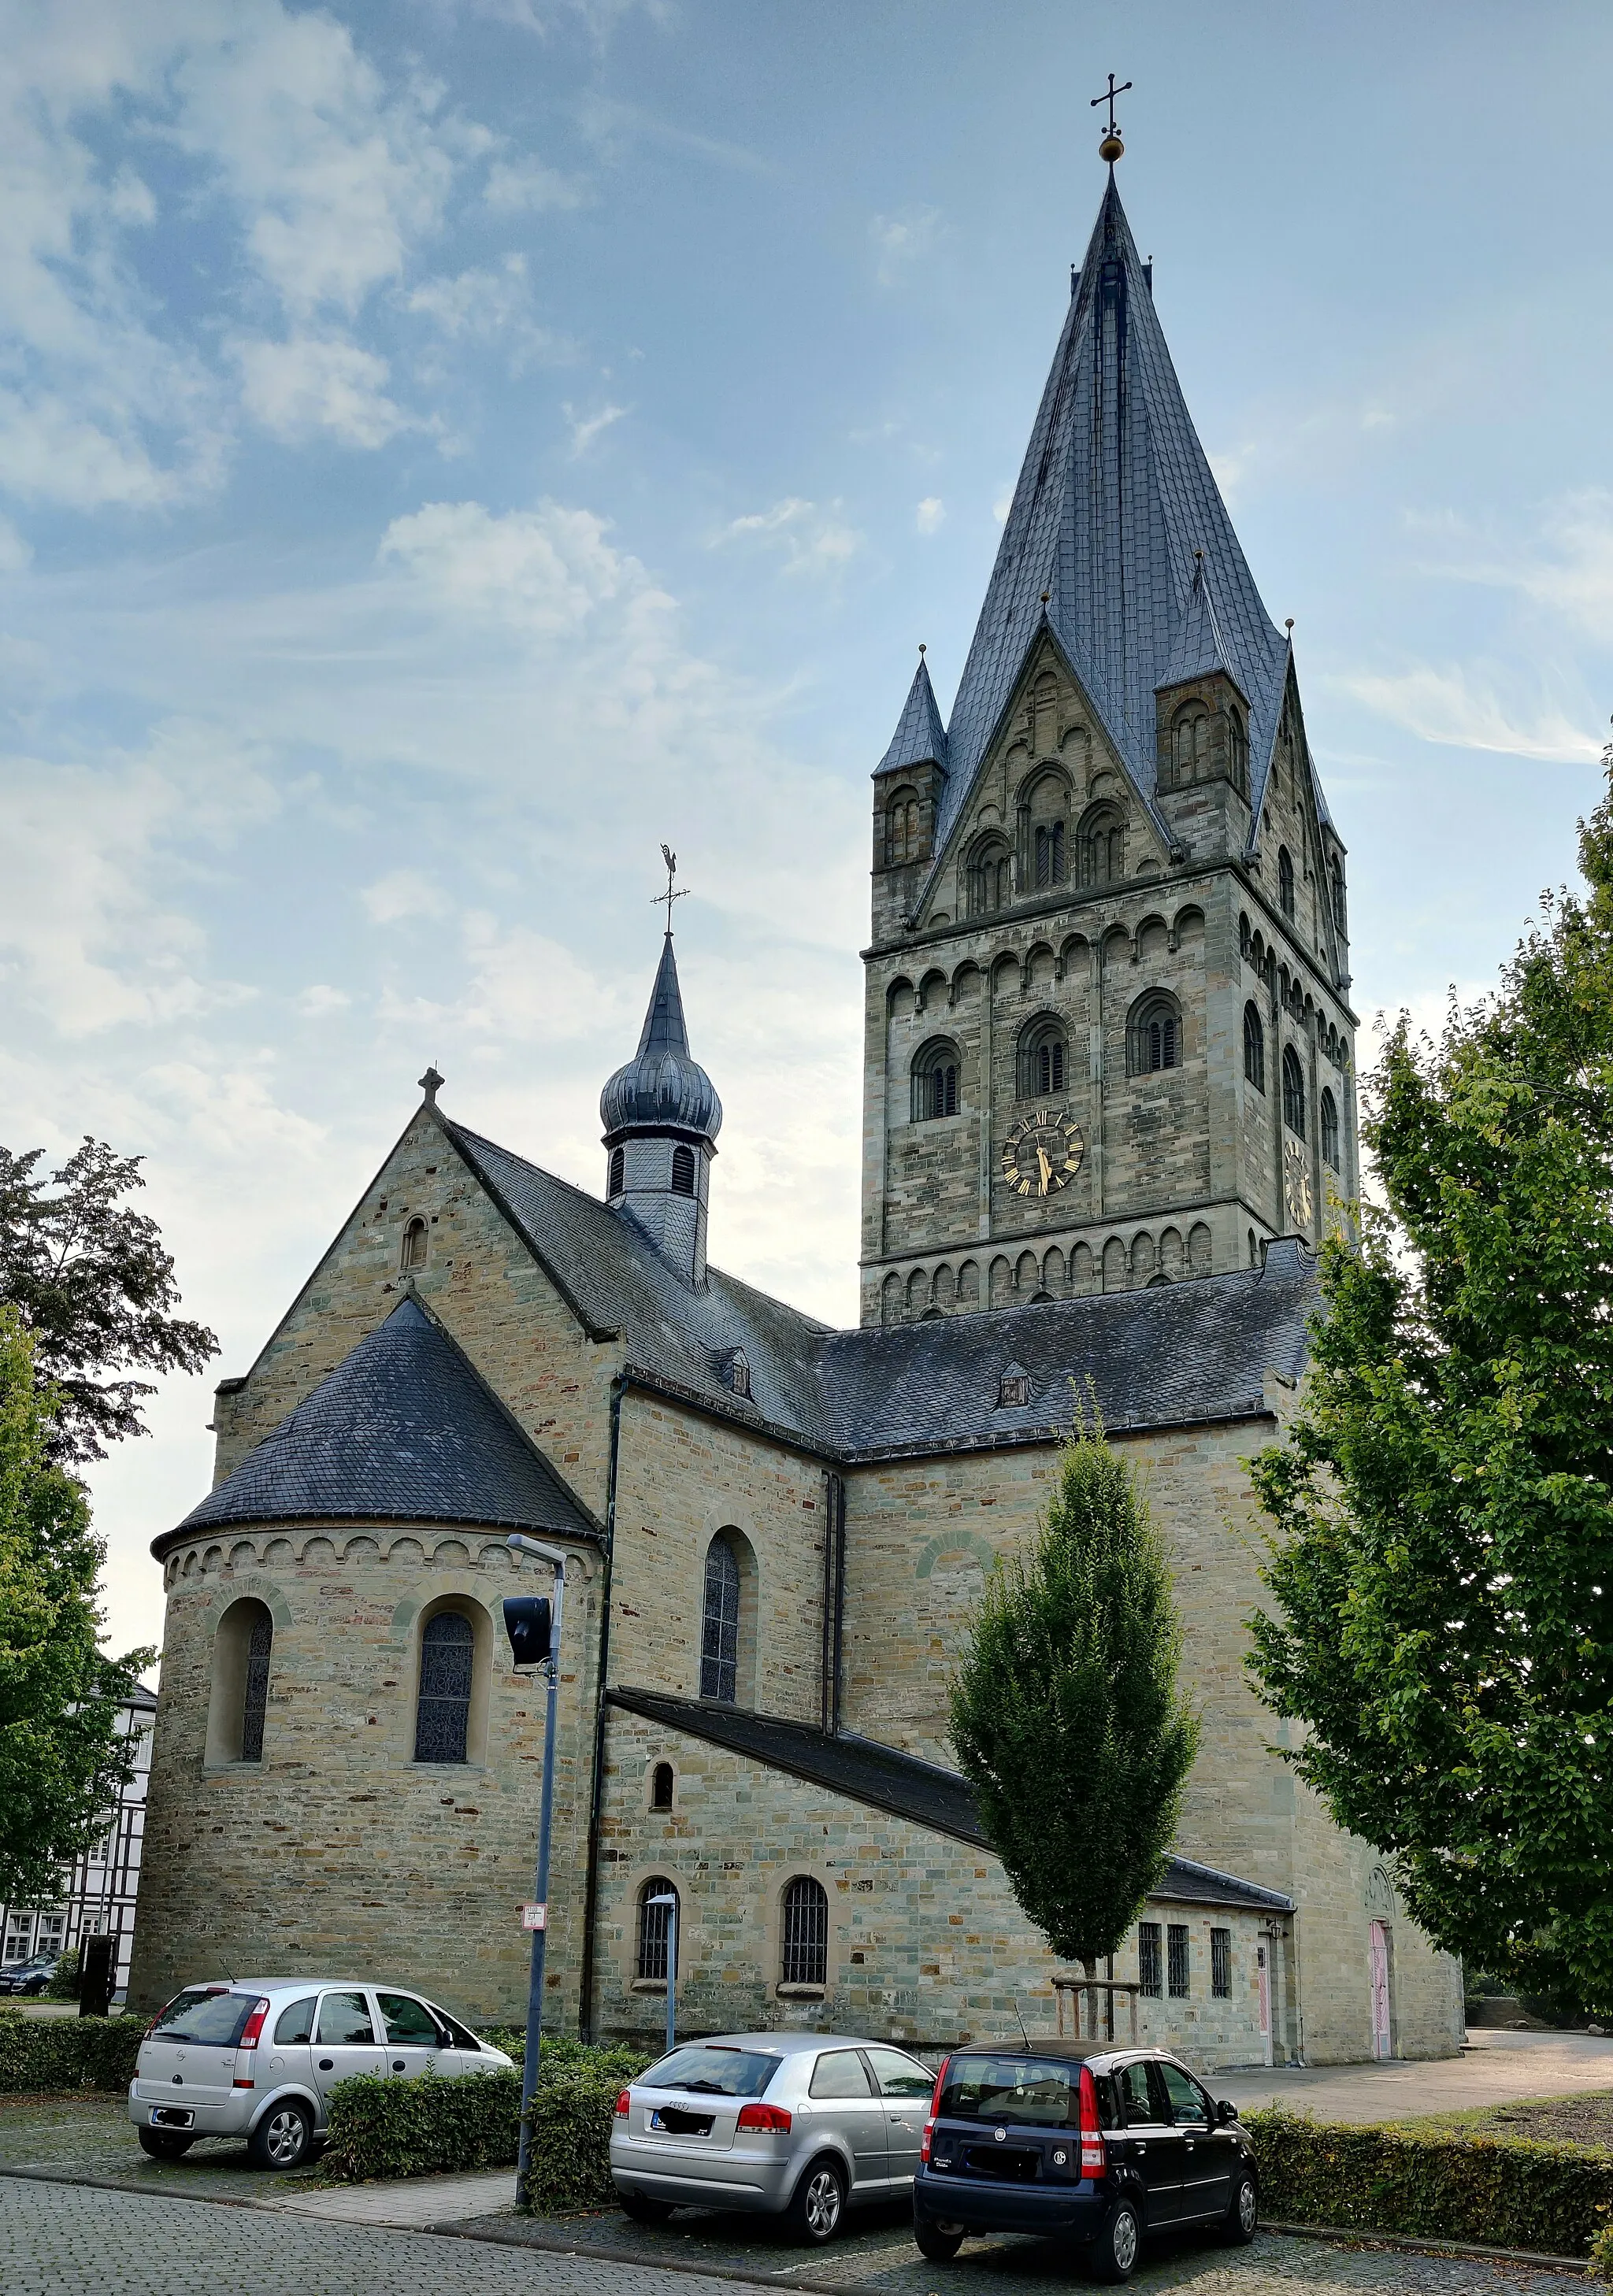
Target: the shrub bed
(383, 2127)
(1505, 2193)
(38, 2055)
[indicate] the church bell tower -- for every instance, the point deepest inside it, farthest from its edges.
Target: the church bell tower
(1108, 1037)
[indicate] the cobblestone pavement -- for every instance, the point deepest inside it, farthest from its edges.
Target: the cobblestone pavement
(58, 2238)
(93, 2135)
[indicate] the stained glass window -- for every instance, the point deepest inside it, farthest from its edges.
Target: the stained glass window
(443, 1713)
(261, 1642)
(720, 1640)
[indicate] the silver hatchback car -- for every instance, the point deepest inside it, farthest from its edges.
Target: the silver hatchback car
(797, 2125)
(258, 2057)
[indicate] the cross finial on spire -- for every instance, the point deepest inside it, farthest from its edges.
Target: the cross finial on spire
(669, 896)
(1111, 148)
(432, 1084)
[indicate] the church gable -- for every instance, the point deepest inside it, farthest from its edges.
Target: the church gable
(427, 1222)
(1053, 808)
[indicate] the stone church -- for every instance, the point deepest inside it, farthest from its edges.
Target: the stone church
(1110, 1111)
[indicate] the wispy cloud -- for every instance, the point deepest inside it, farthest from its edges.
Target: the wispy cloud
(586, 428)
(812, 538)
(902, 239)
(1458, 709)
(312, 383)
(1566, 565)
(929, 515)
(527, 187)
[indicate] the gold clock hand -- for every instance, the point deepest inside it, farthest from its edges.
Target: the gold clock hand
(1047, 1170)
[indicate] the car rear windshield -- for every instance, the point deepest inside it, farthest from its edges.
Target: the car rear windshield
(213, 2021)
(714, 2070)
(1044, 2091)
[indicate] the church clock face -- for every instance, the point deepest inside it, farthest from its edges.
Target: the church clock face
(1297, 1181)
(1042, 1153)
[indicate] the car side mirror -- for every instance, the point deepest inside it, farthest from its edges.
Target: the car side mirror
(1225, 2110)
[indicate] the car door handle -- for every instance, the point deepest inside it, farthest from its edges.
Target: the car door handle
(1191, 2144)
(328, 2064)
(398, 2065)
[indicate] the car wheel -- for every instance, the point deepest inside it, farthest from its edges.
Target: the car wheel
(935, 2240)
(1113, 2255)
(1242, 2218)
(814, 2214)
(281, 2138)
(642, 2209)
(163, 2144)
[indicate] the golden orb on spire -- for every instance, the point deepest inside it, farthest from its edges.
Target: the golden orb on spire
(1111, 149)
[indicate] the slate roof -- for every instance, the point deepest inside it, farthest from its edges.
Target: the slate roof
(405, 1429)
(1178, 1354)
(882, 1778)
(1114, 497)
(920, 737)
(663, 1086)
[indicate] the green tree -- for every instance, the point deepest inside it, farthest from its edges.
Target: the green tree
(1066, 1714)
(1443, 1561)
(92, 1282)
(60, 1756)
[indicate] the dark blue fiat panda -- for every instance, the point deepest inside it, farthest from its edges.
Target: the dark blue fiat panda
(1094, 2149)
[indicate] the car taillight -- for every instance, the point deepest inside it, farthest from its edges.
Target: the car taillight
(253, 2027)
(929, 2126)
(1094, 2158)
(773, 2118)
(623, 2105)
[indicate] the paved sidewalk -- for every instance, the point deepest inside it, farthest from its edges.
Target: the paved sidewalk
(413, 2203)
(1495, 2066)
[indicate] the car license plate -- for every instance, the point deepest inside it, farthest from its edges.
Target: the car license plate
(655, 2121)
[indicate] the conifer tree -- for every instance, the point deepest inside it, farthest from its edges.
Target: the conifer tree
(1066, 1714)
(1442, 1568)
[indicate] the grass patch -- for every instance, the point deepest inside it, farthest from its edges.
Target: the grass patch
(1583, 2121)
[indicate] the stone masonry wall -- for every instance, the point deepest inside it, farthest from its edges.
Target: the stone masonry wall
(926, 1945)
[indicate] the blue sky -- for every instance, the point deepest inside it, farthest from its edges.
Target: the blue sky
(446, 448)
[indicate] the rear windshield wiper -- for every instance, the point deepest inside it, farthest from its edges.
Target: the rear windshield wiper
(707, 2088)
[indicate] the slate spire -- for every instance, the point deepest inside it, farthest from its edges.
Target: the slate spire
(662, 1117)
(920, 738)
(1197, 649)
(1114, 498)
(663, 1084)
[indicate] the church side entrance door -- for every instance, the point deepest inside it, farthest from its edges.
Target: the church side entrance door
(1382, 2034)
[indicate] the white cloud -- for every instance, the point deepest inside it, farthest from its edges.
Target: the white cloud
(1003, 505)
(906, 237)
(928, 516)
(403, 893)
(546, 569)
(1459, 709)
(1565, 566)
(527, 187)
(586, 428)
(320, 1000)
(813, 539)
(16, 554)
(318, 382)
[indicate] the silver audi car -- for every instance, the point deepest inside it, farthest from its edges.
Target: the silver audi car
(797, 2125)
(258, 2057)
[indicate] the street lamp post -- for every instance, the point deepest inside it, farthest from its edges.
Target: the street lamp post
(536, 1640)
(669, 1900)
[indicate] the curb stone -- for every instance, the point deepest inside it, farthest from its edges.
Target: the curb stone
(1361, 2237)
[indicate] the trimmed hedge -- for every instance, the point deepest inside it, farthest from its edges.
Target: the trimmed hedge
(39, 2055)
(383, 2127)
(1508, 2193)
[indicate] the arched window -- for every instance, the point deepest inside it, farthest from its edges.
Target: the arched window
(1237, 744)
(720, 1630)
(1192, 734)
(1335, 881)
(660, 1786)
(1050, 854)
(1156, 1035)
(1042, 1061)
(414, 1244)
(1292, 1094)
(1329, 1114)
(655, 1922)
(442, 1711)
(254, 1703)
(1285, 880)
(990, 877)
(804, 1933)
(1103, 847)
(902, 835)
(1254, 1048)
(936, 1081)
(683, 1170)
(614, 1186)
